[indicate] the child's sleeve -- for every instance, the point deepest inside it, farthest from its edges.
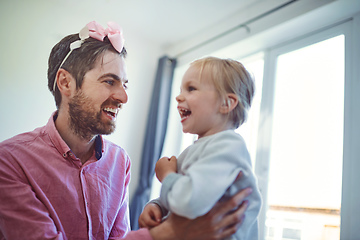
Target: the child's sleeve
(164, 211)
(207, 179)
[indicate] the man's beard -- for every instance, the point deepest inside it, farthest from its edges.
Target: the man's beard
(85, 121)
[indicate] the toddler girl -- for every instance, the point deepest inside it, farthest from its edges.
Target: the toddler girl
(214, 99)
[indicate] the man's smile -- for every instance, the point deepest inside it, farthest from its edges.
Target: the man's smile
(111, 111)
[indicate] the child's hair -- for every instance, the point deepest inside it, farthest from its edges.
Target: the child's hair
(230, 76)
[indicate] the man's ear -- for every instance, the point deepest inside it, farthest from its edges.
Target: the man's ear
(65, 82)
(230, 102)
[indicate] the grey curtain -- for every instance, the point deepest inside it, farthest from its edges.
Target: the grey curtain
(155, 135)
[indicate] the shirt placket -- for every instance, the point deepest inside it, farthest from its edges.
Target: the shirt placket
(86, 199)
(82, 171)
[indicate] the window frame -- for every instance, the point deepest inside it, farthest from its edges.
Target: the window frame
(267, 104)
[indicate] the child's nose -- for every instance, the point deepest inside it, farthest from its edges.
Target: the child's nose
(179, 98)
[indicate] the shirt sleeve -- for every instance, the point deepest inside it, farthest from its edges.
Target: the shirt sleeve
(122, 221)
(121, 225)
(142, 234)
(21, 208)
(206, 180)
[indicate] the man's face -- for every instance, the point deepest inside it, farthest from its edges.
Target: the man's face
(94, 107)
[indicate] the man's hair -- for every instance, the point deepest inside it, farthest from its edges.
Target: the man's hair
(79, 62)
(230, 76)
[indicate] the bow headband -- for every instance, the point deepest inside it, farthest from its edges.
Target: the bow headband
(95, 30)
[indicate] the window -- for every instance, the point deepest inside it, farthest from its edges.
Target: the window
(305, 173)
(306, 140)
(302, 134)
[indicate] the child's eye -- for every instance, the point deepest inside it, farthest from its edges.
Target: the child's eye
(190, 88)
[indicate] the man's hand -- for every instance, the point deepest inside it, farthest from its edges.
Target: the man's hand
(216, 224)
(165, 166)
(222, 221)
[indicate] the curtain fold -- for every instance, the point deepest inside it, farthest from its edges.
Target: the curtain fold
(154, 137)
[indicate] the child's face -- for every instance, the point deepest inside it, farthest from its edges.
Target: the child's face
(199, 104)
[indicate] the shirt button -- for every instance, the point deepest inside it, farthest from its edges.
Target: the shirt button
(64, 155)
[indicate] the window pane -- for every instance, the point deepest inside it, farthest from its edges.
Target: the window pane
(305, 175)
(249, 130)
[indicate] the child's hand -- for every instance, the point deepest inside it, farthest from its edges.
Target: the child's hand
(165, 166)
(150, 216)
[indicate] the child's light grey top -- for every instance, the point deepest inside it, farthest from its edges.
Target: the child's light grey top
(206, 173)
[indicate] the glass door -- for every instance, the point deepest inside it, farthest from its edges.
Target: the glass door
(306, 144)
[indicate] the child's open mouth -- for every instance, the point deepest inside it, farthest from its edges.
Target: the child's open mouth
(184, 113)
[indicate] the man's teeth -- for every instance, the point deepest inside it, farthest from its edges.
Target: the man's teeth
(111, 110)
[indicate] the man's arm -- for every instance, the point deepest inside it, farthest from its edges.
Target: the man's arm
(22, 214)
(220, 222)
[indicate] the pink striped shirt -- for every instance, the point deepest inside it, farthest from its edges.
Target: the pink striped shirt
(46, 193)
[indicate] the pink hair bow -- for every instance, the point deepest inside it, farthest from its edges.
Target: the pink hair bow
(113, 32)
(95, 30)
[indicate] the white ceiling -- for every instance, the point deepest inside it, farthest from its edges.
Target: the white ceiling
(169, 21)
(164, 22)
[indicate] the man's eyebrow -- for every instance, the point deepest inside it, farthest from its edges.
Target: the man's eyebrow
(111, 75)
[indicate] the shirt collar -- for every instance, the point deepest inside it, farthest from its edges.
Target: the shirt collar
(61, 145)
(98, 147)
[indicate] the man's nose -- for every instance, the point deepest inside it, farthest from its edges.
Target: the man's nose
(121, 95)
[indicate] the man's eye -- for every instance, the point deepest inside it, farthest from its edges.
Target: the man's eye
(125, 86)
(110, 82)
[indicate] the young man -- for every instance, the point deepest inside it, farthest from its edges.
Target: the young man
(63, 180)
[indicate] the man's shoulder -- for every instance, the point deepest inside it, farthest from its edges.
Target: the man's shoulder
(22, 139)
(110, 144)
(113, 147)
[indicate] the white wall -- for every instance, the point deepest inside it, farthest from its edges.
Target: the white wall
(28, 32)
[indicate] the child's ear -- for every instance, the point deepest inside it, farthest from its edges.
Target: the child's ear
(65, 82)
(230, 102)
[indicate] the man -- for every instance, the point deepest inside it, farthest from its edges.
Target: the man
(63, 180)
